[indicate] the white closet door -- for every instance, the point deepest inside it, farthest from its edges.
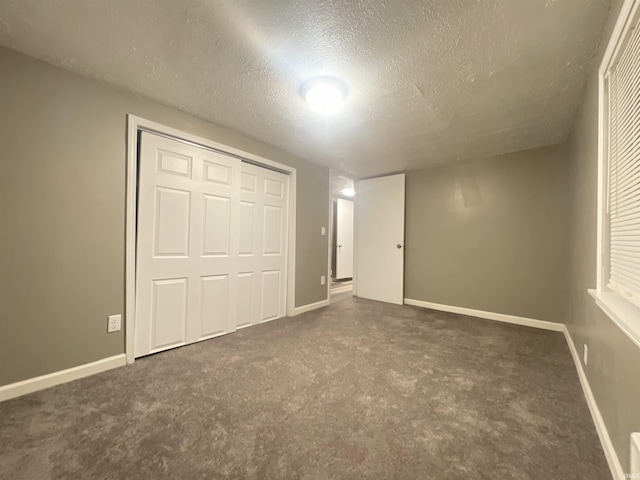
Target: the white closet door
(344, 239)
(187, 244)
(262, 260)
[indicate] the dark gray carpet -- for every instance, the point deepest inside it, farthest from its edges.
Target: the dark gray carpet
(358, 390)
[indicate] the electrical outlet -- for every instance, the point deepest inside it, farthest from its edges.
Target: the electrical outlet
(585, 353)
(322, 280)
(323, 231)
(114, 324)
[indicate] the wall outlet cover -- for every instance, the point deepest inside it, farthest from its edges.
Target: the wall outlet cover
(322, 280)
(114, 324)
(585, 354)
(323, 231)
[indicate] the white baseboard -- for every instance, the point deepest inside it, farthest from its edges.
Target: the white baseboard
(499, 317)
(609, 452)
(311, 306)
(63, 376)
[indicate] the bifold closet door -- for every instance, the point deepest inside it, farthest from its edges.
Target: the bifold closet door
(187, 244)
(262, 260)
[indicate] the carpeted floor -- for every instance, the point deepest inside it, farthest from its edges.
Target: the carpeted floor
(358, 390)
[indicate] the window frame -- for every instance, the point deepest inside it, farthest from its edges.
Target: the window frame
(625, 314)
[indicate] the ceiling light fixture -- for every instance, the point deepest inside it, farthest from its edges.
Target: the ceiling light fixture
(324, 95)
(348, 192)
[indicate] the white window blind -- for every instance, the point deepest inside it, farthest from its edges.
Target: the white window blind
(623, 81)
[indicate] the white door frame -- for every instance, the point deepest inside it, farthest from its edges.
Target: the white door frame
(330, 237)
(136, 124)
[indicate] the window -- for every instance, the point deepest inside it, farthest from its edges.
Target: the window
(618, 289)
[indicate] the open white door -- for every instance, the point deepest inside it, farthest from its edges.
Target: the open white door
(344, 239)
(379, 206)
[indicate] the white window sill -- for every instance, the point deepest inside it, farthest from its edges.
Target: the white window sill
(624, 313)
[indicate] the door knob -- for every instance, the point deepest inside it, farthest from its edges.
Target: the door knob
(398, 246)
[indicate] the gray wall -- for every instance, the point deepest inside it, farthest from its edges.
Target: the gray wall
(491, 235)
(62, 213)
(613, 370)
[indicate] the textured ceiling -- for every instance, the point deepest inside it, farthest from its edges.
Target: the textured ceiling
(430, 81)
(338, 183)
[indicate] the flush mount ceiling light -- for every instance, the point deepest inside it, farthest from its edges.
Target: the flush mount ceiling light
(324, 95)
(348, 192)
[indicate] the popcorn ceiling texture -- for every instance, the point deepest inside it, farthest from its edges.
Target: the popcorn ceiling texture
(430, 82)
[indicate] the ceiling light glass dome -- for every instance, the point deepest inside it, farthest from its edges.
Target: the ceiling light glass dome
(325, 95)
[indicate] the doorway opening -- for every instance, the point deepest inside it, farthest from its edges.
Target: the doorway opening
(342, 237)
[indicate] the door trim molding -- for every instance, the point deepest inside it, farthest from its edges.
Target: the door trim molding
(41, 382)
(330, 237)
(136, 124)
(499, 317)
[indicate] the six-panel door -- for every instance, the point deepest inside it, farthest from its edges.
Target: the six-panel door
(210, 253)
(262, 257)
